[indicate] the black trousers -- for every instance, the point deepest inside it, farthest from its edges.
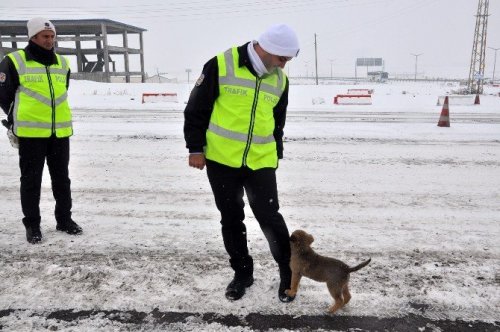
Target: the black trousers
(228, 185)
(32, 155)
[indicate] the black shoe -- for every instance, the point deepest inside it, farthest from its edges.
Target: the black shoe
(33, 234)
(284, 297)
(236, 288)
(285, 276)
(69, 227)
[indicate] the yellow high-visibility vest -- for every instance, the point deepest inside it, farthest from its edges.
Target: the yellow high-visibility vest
(41, 106)
(241, 127)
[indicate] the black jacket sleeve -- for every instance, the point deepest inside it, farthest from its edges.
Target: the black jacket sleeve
(200, 106)
(9, 82)
(279, 120)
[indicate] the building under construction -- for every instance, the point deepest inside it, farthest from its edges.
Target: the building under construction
(88, 43)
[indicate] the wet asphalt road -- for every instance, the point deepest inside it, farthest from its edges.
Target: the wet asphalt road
(263, 322)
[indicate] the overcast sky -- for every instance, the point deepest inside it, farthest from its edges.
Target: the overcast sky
(185, 34)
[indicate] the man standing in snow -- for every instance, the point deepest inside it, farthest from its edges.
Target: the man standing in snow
(33, 93)
(234, 125)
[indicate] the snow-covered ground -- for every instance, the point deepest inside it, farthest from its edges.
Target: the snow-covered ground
(380, 181)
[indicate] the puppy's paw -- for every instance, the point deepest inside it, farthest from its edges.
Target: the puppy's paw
(284, 297)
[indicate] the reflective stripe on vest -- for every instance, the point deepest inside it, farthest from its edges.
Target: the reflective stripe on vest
(241, 127)
(239, 136)
(41, 101)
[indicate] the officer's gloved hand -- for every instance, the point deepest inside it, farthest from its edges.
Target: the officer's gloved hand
(14, 141)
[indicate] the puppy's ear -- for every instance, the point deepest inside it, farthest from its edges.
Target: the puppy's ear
(310, 239)
(293, 238)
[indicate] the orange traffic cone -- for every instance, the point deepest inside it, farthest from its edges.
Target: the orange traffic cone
(476, 101)
(444, 119)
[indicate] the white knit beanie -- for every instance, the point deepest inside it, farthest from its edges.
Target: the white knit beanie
(280, 40)
(37, 24)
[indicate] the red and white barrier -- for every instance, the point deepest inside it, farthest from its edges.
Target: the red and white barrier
(159, 97)
(359, 91)
(351, 99)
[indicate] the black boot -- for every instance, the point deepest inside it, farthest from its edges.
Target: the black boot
(243, 278)
(69, 226)
(286, 278)
(33, 232)
(236, 288)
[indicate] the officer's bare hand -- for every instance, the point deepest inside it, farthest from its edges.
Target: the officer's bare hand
(197, 160)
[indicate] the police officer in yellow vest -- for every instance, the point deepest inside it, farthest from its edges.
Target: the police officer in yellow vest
(234, 125)
(34, 95)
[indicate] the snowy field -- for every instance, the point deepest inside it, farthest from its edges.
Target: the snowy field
(380, 181)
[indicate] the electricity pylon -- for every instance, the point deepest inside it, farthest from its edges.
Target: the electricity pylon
(476, 72)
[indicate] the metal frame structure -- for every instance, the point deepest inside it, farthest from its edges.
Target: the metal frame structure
(85, 30)
(477, 63)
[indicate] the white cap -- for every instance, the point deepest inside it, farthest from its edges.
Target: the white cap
(280, 40)
(37, 24)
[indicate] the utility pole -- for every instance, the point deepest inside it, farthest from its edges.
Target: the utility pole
(416, 61)
(494, 62)
(316, 57)
(356, 70)
(476, 71)
(331, 68)
(188, 71)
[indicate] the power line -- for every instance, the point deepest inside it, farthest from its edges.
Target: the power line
(191, 10)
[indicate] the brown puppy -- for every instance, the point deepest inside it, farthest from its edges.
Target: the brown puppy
(305, 262)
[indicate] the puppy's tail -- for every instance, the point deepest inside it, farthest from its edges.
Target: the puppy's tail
(360, 266)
